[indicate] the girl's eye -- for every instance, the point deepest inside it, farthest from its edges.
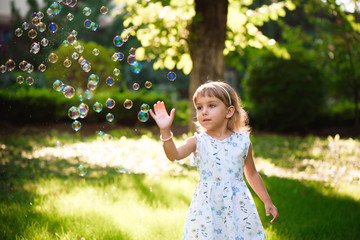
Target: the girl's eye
(199, 108)
(212, 105)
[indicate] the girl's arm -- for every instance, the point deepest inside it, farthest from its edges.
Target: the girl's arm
(257, 184)
(164, 122)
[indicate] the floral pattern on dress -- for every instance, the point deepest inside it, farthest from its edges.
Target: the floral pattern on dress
(222, 207)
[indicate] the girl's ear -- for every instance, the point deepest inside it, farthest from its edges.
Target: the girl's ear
(230, 111)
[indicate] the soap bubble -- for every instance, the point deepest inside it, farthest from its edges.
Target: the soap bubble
(32, 33)
(73, 113)
(83, 110)
(53, 27)
(171, 76)
(72, 3)
(136, 86)
(58, 85)
(25, 26)
(10, 65)
(67, 63)
(116, 72)
(93, 78)
(109, 117)
(87, 23)
(70, 17)
(128, 104)
(40, 14)
(29, 81)
(42, 67)
(81, 170)
(18, 32)
(131, 59)
(30, 68)
(35, 21)
(97, 107)
(81, 97)
(20, 79)
(3, 69)
(88, 94)
(71, 39)
(75, 55)
(35, 48)
(23, 65)
(118, 42)
(110, 103)
(44, 42)
(104, 10)
(92, 86)
(145, 107)
(66, 2)
(41, 27)
(80, 49)
(69, 91)
(110, 81)
(96, 51)
(53, 58)
(65, 43)
(118, 56)
(49, 12)
(132, 51)
(136, 68)
(94, 26)
(143, 116)
(148, 84)
(56, 8)
(76, 125)
(87, 11)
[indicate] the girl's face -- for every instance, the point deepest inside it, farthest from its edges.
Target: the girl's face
(212, 113)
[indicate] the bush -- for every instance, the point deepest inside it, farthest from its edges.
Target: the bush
(38, 105)
(286, 95)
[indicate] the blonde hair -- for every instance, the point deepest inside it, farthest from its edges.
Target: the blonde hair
(239, 121)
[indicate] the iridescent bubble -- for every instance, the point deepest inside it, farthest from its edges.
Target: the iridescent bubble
(44, 42)
(110, 103)
(65, 43)
(40, 14)
(128, 104)
(118, 56)
(72, 3)
(53, 27)
(87, 23)
(81, 97)
(118, 41)
(148, 84)
(32, 33)
(3, 69)
(18, 32)
(83, 110)
(81, 170)
(97, 107)
(75, 55)
(74, 32)
(131, 59)
(53, 58)
(56, 8)
(69, 91)
(143, 116)
(136, 67)
(94, 26)
(25, 26)
(76, 44)
(80, 49)
(35, 48)
(67, 63)
(29, 81)
(95, 51)
(23, 65)
(71, 39)
(34, 15)
(132, 51)
(41, 27)
(30, 68)
(10, 65)
(88, 94)
(49, 12)
(76, 125)
(70, 17)
(20, 79)
(92, 86)
(109, 117)
(66, 2)
(110, 81)
(101, 134)
(93, 78)
(136, 86)
(104, 10)
(35, 21)
(116, 72)
(73, 113)
(86, 66)
(58, 85)
(42, 67)
(87, 11)
(171, 76)
(145, 107)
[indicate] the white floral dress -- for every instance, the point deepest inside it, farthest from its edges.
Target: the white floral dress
(222, 207)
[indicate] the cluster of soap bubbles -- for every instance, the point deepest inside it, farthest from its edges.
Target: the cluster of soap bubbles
(34, 28)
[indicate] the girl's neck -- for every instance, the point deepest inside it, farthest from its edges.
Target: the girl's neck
(219, 134)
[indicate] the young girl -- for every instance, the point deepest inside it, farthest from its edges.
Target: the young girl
(222, 206)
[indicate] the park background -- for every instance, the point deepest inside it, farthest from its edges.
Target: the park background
(293, 63)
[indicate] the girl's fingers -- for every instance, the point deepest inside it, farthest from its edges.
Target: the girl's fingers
(152, 113)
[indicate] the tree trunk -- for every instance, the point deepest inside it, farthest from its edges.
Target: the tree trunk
(207, 43)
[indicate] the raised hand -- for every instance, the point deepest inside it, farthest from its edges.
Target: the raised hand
(161, 117)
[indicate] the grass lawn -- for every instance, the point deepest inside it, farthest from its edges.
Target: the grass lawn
(130, 191)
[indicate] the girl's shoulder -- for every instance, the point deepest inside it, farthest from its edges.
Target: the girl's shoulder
(242, 135)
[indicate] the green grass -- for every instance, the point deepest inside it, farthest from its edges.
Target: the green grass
(43, 197)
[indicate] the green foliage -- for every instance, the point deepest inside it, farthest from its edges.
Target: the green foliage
(286, 94)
